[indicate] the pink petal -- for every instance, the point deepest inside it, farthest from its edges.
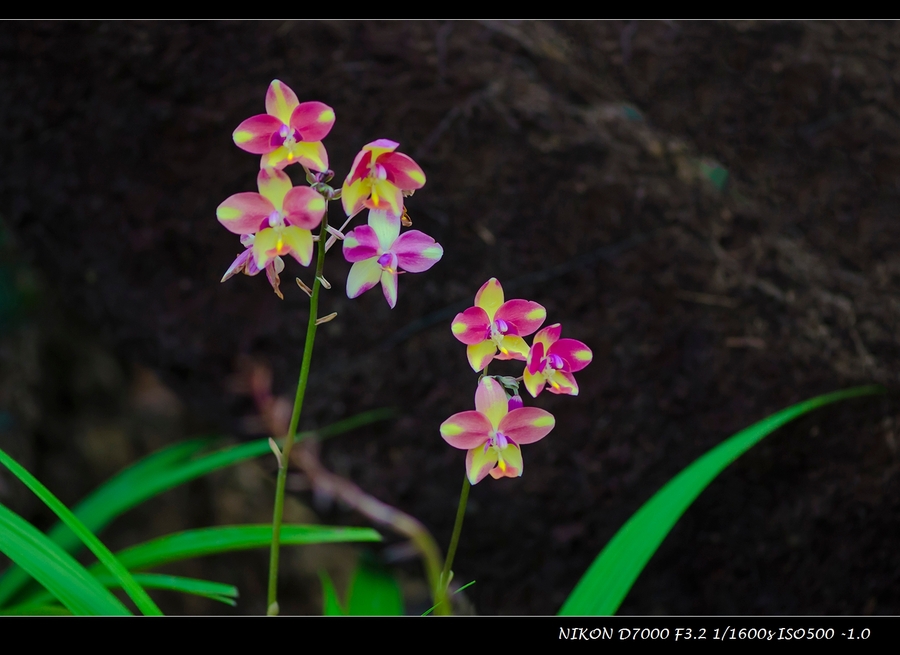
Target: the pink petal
(360, 168)
(490, 297)
(527, 424)
(243, 213)
(416, 251)
(512, 347)
(385, 197)
(298, 243)
(277, 158)
(238, 265)
(534, 358)
(389, 287)
(548, 336)
(524, 315)
(470, 326)
(490, 400)
(353, 195)
(386, 226)
(576, 354)
(481, 354)
(361, 244)
(313, 120)
(479, 463)
(274, 186)
(534, 383)
(363, 276)
(304, 207)
(561, 382)
(273, 268)
(380, 146)
(402, 171)
(509, 463)
(254, 134)
(311, 154)
(466, 430)
(281, 101)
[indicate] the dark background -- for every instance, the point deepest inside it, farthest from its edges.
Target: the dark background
(711, 207)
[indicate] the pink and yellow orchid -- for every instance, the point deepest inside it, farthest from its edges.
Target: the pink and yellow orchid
(245, 263)
(378, 179)
(493, 325)
(377, 253)
(494, 432)
(553, 360)
(280, 216)
(289, 132)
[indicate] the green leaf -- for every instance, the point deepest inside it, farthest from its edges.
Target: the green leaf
(115, 496)
(608, 580)
(224, 593)
(36, 610)
(54, 568)
(160, 472)
(331, 604)
(210, 541)
(132, 588)
(373, 590)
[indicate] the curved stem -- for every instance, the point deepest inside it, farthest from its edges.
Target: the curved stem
(278, 512)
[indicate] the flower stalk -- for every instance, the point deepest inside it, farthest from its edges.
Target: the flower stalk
(278, 512)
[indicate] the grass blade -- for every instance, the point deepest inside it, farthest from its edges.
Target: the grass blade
(102, 553)
(105, 503)
(610, 577)
(54, 568)
(160, 472)
(224, 593)
(210, 541)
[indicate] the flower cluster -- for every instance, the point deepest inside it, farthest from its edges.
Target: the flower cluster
(494, 329)
(280, 218)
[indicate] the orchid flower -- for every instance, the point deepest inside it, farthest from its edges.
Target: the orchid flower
(378, 179)
(280, 216)
(289, 132)
(493, 325)
(494, 432)
(246, 264)
(553, 360)
(377, 253)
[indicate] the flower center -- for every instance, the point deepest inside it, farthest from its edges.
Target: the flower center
(276, 219)
(499, 440)
(498, 329)
(388, 262)
(289, 136)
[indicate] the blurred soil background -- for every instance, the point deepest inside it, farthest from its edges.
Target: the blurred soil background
(712, 207)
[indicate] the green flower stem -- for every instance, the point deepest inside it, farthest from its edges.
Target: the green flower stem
(457, 529)
(460, 515)
(278, 513)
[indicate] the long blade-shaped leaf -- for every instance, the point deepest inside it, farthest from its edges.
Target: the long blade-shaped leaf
(224, 593)
(160, 472)
(209, 541)
(609, 579)
(54, 568)
(132, 588)
(106, 502)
